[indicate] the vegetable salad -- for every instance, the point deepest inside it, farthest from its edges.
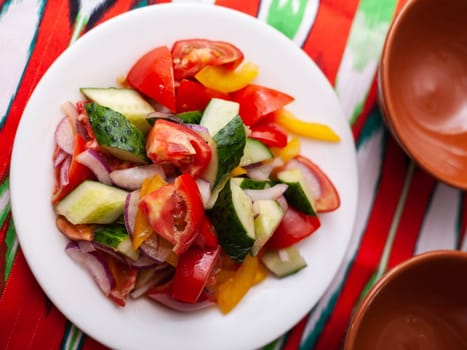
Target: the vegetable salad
(185, 183)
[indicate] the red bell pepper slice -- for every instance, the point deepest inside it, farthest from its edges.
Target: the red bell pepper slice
(192, 273)
(269, 133)
(172, 143)
(192, 96)
(191, 55)
(175, 212)
(294, 227)
(207, 237)
(152, 75)
(257, 101)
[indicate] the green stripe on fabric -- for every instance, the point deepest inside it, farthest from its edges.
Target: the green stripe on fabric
(11, 248)
(4, 201)
(286, 15)
(369, 31)
(73, 339)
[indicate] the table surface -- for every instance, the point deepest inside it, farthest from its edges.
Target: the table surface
(402, 210)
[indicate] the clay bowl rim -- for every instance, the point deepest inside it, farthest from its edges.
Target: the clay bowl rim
(386, 279)
(394, 123)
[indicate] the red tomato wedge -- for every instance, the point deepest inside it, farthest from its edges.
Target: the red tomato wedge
(192, 273)
(294, 227)
(191, 55)
(207, 237)
(152, 75)
(175, 212)
(172, 143)
(257, 101)
(269, 133)
(329, 199)
(192, 96)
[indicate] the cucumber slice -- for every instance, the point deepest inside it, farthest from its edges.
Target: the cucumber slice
(192, 117)
(116, 134)
(255, 152)
(250, 184)
(283, 262)
(298, 193)
(269, 216)
(230, 142)
(92, 202)
(218, 113)
(232, 217)
(115, 237)
(125, 101)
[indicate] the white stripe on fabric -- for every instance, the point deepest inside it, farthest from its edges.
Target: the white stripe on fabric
(16, 46)
(439, 228)
(369, 158)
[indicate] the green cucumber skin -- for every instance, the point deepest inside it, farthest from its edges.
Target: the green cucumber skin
(294, 195)
(110, 235)
(192, 117)
(116, 134)
(230, 231)
(230, 141)
(250, 184)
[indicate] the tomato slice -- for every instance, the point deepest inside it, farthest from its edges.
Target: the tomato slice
(329, 199)
(294, 227)
(269, 133)
(191, 55)
(207, 237)
(76, 172)
(192, 96)
(257, 101)
(152, 75)
(192, 273)
(175, 212)
(172, 143)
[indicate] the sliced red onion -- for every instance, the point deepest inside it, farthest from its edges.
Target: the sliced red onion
(310, 178)
(86, 246)
(165, 115)
(130, 210)
(133, 178)
(205, 190)
(65, 135)
(200, 129)
(150, 278)
(263, 171)
(70, 110)
(283, 203)
(171, 303)
(98, 165)
(143, 262)
(273, 192)
(151, 248)
(94, 264)
(64, 168)
(60, 157)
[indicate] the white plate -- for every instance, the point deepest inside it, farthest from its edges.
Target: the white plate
(97, 59)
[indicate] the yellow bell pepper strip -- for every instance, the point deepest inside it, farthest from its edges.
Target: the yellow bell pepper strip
(313, 130)
(291, 150)
(143, 229)
(238, 171)
(227, 80)
(234, 289)
(261, 274)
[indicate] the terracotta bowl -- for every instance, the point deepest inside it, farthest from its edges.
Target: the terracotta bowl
(423, 86)
(420, 304)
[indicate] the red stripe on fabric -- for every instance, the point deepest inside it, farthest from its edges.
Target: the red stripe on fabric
(250, 7)
(3, 252)
(411, 220)
(295, 336)
(118, 8)
(26, 322)
(92, 344)
(52, 39)
(369, 105)
(327, 40)
(371, 246)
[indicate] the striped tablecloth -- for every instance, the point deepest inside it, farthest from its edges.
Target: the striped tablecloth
(402, 210)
